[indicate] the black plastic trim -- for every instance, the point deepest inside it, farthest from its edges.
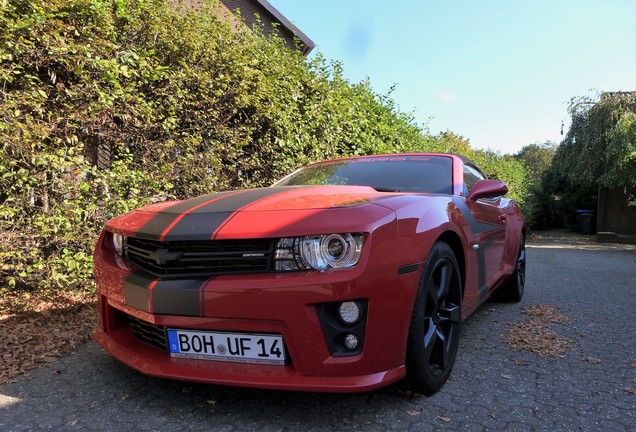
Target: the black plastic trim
(335, 330)
(409, 268)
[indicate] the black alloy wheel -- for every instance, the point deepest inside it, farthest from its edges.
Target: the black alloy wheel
(435, 324)
(512, 289)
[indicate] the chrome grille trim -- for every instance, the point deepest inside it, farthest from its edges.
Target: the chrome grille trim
(201, 258)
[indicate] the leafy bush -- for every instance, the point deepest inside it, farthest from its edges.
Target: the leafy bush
(168, 100)
(507, 168)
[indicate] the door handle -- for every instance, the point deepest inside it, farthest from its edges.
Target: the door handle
(502, 218)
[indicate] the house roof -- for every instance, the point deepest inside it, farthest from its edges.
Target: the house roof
(307, 42)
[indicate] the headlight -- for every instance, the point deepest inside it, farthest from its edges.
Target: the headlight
(119, 244)
(319, 252)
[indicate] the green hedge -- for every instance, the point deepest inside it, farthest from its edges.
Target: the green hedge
(183, 103)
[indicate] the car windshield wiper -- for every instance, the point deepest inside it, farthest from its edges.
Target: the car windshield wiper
(381, 189)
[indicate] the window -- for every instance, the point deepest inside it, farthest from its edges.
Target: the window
(419, 174)
(471, 176)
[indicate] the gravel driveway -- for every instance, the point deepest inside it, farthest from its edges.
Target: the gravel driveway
(493, 387)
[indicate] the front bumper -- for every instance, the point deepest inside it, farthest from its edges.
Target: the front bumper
(290, 311)
(281, 304)
(154, 362)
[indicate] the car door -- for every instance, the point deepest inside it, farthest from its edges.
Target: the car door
(489, 232)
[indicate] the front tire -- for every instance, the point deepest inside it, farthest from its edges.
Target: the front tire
(512, 289)
(435, 324)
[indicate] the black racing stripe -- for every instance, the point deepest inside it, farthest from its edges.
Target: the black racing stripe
(239, 200)
(410, 268)
(197, 226)
(136, 286)
(249, 197)
(195, 220)
(177, 297)
(486, 228)
(475, 227)
(186, 205)
(481, 260)
(155, 227)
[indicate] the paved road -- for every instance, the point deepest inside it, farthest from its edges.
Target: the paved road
(493, 387)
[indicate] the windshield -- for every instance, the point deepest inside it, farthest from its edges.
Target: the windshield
(427, 174)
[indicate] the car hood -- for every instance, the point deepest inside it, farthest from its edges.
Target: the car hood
(278, 198)
(250, 213)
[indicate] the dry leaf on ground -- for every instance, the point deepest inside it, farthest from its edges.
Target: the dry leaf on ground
(42, 330)
(536, 335)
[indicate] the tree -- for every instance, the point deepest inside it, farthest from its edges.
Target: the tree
(599, 150)
(503, 167)
(600, 147)
(538, 158)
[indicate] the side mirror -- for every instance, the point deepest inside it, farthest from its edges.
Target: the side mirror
(487, 189)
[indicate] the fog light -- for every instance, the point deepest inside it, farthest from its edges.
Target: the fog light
(349, 312)
(351, 342)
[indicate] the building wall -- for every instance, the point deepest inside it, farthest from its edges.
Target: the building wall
(614, 215)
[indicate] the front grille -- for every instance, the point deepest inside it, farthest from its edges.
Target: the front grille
(201, 258)
(151, 334)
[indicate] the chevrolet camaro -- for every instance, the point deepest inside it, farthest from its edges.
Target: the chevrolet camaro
(347, 275)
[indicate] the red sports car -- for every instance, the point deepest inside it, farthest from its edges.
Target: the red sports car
(346, 275)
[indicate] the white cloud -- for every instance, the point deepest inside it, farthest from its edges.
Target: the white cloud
(448, 96)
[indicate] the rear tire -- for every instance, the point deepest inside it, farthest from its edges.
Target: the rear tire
(435, 324)
(512, 289)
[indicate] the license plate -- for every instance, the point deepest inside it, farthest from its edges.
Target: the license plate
(229, 347)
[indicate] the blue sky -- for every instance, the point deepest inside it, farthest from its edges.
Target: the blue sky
(499, 73)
